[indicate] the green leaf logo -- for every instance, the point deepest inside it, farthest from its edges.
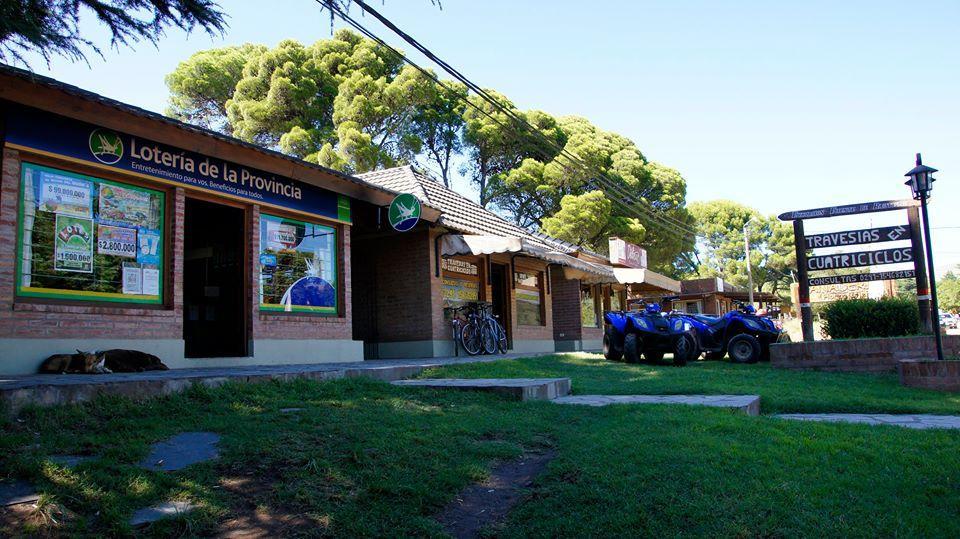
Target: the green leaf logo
(404, 212)
(106, 146)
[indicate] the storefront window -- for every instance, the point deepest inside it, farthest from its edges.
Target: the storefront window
(461, 283)
(529, 293)
(298, 266)
(616, 301)
(86, 238)
(588, 307)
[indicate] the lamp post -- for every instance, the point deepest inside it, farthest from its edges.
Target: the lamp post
(921, 183)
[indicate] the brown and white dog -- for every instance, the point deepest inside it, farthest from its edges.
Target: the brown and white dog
(106, 361)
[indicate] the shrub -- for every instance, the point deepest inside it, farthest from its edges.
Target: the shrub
(859, 318)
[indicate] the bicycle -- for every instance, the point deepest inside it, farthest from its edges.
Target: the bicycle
(494, 336)
(467, 329)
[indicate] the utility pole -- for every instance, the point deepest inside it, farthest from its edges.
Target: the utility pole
(746, 248)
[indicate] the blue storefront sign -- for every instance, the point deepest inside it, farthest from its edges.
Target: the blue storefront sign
(48, 133)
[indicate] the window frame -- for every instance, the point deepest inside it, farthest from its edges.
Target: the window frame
(479, 279)
(85, 298)
(596, 312)
(539, 288)
(338, 269)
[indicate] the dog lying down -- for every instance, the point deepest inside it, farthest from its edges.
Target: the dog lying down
(101, 362)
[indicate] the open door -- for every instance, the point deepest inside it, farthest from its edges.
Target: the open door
(214, 278)
(500, 298)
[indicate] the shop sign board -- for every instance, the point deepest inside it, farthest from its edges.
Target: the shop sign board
(455, 265)
(860, 259)
(858, 237)
(862, 277)
(51, 134)
(848, 209)
(628, 254)
(404, 212)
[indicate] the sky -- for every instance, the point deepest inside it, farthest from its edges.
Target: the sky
(777, 105)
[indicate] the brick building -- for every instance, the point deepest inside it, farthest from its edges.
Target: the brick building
(121, 228)
(713, 295)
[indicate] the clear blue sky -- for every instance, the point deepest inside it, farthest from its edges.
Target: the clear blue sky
(777, 105)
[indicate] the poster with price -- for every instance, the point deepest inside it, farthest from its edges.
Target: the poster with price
(149, 243)
(73, 250)
(116, 241)
(65, 195)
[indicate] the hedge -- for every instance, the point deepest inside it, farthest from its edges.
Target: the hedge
(860, 318)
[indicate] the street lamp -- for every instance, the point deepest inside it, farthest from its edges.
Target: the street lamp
(921, 183)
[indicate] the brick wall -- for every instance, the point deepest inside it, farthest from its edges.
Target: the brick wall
(566, 307)
(47, 320)
(393, 287)
(939, 375)
(866, 355)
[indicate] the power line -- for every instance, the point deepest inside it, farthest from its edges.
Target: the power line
(676, 227)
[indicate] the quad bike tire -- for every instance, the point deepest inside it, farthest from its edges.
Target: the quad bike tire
(744, 348)
(631, 348)
(652, 357)
(685, 349)
(612, 345)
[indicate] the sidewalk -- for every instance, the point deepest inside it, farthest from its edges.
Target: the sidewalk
(53, 389)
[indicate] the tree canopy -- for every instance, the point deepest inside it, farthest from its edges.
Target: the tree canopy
(351, 104)
(948, 292)
(51, 27)
(721, 250)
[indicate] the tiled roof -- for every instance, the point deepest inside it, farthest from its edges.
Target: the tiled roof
(457, 211)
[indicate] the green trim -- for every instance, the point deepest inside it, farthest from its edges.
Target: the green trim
(274, 307)
(85, 295)
(343, 208)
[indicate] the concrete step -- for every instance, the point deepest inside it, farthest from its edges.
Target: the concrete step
(745, 404)
(521, 389)
(910, 421)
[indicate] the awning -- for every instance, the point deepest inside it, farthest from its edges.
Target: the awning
(477, 244)
(645, 276)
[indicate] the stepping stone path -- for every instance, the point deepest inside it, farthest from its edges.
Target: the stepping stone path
(182, 450)
(522, 389)
(17, 492)
(910, 421)
(148, 515)
(745, 404)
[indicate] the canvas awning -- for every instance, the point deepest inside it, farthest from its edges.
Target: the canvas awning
(645, 276)
(477, 244)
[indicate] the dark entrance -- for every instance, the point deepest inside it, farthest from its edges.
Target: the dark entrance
(500, 298)
(214, 306)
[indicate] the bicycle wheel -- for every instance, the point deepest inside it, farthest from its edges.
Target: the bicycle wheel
(470, 338)
(489, 335)
(501, 337)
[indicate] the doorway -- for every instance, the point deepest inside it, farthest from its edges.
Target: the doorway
(214, 299)
(500, 298)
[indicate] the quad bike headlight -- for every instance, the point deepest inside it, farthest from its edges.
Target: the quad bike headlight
(678, 325)
(643, 323)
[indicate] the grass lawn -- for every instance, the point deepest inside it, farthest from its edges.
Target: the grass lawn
(367, 458)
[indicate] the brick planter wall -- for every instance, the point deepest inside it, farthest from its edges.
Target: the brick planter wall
(941, 375)
(863, 355)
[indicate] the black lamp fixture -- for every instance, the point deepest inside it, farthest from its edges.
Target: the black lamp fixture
(921, 183)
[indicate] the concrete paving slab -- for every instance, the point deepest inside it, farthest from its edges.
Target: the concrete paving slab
(161, 511)
(182, 450)
(910, 421)
(745, 404)
(522, 389)
(16, 492)
(54, 389)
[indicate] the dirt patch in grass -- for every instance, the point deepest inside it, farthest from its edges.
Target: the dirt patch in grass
(486, 504)
(255, 512)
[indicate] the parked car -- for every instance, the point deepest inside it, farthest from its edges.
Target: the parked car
(741, 333)
(949, 321)
(627, 335)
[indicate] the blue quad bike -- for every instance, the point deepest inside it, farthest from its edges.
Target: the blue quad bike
(742, 334)
(627, 335)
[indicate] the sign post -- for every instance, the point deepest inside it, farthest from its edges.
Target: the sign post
(806, 312)
(858, 259)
